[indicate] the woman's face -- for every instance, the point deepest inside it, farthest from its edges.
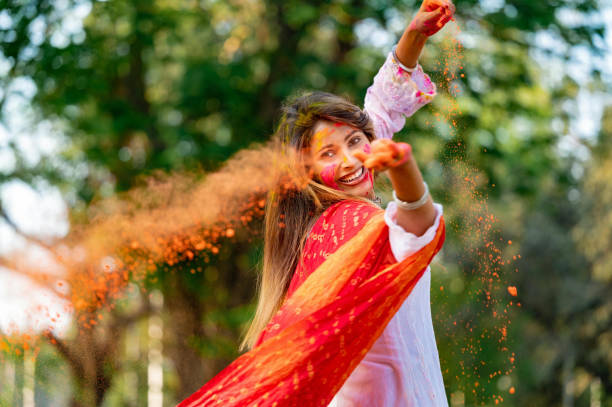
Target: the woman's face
(331, 151)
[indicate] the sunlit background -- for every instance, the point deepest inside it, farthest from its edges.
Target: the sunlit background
(97, 96)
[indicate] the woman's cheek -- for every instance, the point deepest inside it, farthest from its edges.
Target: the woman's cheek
(370, 177)
(368, 149)
(328, 176)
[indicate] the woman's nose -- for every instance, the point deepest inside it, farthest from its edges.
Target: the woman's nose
(348, 160)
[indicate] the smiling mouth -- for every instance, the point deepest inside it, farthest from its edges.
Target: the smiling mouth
(353, 178)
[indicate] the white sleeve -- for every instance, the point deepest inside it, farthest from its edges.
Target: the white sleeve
(396, 94)
(402, 368)
(404, 244)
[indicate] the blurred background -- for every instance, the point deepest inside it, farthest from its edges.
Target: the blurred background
(97, 96)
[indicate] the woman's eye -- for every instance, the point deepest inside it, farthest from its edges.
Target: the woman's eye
(327, 154)
(355, 140)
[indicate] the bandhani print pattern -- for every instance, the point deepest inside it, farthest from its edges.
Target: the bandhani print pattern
(345, 290)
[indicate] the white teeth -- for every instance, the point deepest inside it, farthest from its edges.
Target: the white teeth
(355, 177)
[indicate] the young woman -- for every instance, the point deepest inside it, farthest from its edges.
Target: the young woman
(343, 315)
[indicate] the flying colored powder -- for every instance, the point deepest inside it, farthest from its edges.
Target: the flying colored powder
(487, 318)
(178, 217)
(172, 218)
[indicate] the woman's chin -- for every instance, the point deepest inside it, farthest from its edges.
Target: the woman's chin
(361, 190)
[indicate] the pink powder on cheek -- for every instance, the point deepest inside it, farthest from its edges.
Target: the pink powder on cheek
(367, 149)
(328, 176)
(370, 178)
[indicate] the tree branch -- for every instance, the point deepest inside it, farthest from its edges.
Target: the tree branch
(28, 237)
(65, 351)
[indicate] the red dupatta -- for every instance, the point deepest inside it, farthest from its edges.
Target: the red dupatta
(343, 293)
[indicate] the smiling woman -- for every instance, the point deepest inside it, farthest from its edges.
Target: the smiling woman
(343, 314)
(332, 148)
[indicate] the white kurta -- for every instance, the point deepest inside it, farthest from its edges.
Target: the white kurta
(402, 368)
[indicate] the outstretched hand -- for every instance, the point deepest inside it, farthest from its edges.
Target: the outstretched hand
(432, 16)
(383, 154)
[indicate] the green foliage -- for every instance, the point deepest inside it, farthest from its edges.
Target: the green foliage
(183, 85)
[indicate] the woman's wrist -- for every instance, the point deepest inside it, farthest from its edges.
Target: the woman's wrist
(414, 35)
(407, 181)
(412, 205)
(410, 46)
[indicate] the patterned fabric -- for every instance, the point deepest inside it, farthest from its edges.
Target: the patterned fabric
(396, 94)
(339, 304)
(318, 248)
(402, 369)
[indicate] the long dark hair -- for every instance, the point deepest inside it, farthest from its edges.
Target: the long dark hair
(291, 213)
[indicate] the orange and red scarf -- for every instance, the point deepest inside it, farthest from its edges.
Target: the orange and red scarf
(345, 290)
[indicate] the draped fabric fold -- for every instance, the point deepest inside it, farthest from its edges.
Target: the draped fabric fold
(341, 303)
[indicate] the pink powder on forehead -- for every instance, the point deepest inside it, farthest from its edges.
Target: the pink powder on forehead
(328, 176)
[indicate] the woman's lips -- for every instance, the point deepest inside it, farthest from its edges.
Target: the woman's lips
(355, 177)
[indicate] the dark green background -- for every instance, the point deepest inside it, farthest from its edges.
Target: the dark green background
(182, 85)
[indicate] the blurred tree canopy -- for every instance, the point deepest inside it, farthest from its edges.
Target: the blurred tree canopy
(138, 86)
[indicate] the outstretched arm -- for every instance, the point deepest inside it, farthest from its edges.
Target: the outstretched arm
(406, 180)
(397, 93)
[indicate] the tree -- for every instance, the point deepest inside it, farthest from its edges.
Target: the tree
(176, 86)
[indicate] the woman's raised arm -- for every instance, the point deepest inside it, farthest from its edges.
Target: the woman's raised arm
(400, 87)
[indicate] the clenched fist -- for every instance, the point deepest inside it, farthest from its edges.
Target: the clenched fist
(384, 154)
(432, 16)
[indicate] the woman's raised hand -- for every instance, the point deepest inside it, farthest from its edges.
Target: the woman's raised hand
(383, 154)
(432, 16)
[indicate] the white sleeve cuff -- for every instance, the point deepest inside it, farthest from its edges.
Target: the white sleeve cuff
(404, 244)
